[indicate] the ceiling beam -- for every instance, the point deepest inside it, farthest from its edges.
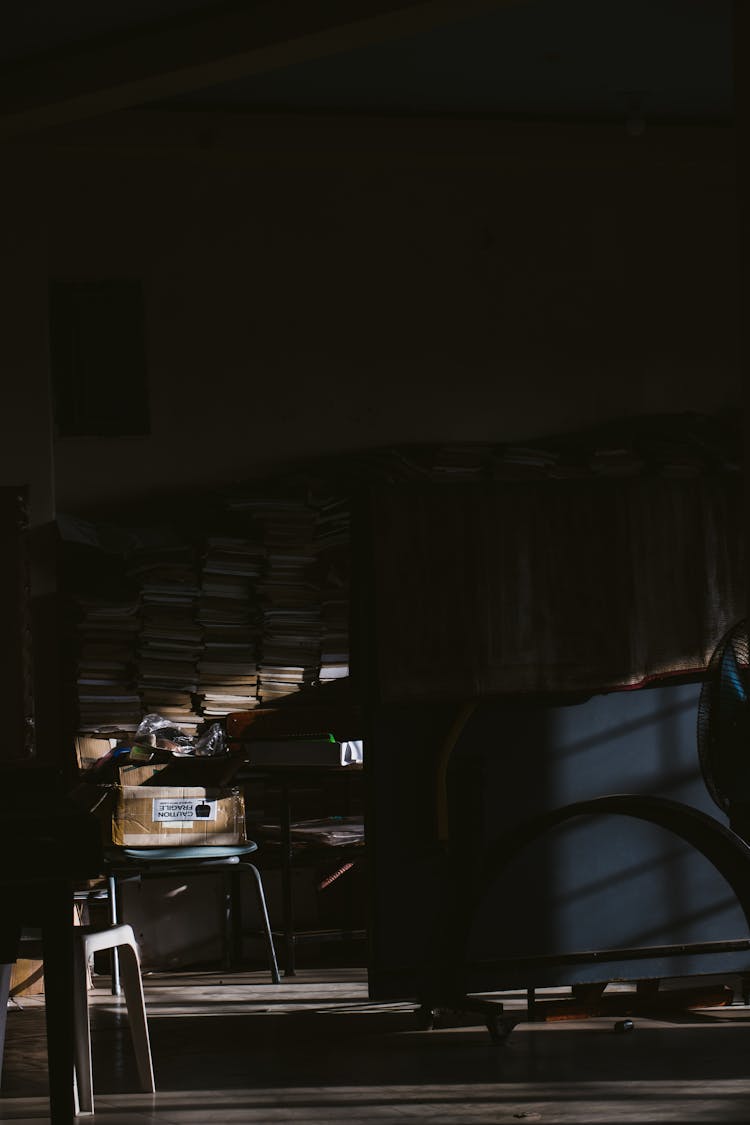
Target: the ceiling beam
(88, 79)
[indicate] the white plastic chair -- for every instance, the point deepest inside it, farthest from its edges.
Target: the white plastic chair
(91, 939)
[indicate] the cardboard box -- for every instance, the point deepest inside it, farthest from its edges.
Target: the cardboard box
(137, 773)
(166, 816)
(91, 749)
(26, 978)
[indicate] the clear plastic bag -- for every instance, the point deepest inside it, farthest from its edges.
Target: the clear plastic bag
(158, 733)
(212, 742)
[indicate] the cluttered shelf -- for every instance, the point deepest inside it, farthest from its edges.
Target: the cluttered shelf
(332, 849)
(300, 798)
(312, 818)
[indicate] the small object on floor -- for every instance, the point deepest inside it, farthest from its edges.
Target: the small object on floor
(624, 1025)
(425, 1017)
(500, 1026)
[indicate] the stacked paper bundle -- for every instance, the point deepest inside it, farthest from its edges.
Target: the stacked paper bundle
(108, 701)
(332, 547)
(334, 651)
(291, 650)
(228, 612)
(524, 462)
(289, 594)
(457, 462)
(170, 639)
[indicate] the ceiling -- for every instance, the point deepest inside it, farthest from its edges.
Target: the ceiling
(540, 58)
(662, 60)
(32, 26)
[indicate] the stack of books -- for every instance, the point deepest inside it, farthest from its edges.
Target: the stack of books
(291, 650)
(459, 462)
(170, 639)
(334, 647)
(289, 595)
(333, 524)
(108, 701)
(614, 461)
(229, 615)
(524, 462)
(332, 545)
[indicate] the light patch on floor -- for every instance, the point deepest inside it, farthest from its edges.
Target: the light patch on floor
(315, 1050)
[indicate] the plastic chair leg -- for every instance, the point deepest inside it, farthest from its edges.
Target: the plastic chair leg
(113, 921)
(270, 949)
(133, 988)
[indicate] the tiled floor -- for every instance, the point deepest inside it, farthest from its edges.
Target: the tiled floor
(314, 1050)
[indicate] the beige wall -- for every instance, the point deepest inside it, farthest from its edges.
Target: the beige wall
(314, 286)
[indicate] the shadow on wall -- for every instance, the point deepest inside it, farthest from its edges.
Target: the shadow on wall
(598, 882)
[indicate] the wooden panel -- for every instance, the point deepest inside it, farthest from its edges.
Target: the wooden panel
(551, 586)
(17, 742)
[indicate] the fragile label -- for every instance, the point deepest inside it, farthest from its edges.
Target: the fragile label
(169, 810)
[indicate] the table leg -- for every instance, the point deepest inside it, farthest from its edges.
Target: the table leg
(286, 879)
(57, 939)
(5, 973)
